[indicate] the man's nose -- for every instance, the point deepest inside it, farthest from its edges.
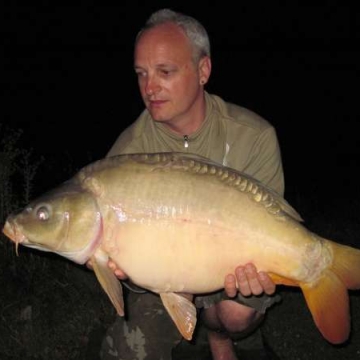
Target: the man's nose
(152, 86)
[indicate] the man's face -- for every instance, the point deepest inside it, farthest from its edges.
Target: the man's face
(169, 80)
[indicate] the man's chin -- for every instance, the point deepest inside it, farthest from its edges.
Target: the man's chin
(158, 117)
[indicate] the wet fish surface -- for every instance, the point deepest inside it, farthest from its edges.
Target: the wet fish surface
(178, 224)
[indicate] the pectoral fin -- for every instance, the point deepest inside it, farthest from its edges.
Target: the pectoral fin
(109, 282)
(182, 312)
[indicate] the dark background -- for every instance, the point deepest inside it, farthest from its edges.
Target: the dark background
(68, 80)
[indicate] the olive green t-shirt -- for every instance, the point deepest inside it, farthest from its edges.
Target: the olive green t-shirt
(230, 135)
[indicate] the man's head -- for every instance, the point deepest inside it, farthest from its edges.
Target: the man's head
(192, 28)
(172, 61)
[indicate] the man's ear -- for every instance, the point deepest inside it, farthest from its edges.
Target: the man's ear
(204, 69)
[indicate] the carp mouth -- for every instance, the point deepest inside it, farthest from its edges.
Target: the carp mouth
(11, 230)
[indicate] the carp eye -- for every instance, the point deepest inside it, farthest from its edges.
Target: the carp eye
(42, 213)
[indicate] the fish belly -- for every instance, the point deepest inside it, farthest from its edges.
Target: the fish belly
(176, 256)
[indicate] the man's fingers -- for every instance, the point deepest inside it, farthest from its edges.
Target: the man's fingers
(243, 282)
(112, 265)
(251, 282)
(118, 272)
(230, 286)
(266, 283)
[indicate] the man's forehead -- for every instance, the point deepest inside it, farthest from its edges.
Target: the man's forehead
(166, 35)
(165, 32)
(160, 65)
(163, 44)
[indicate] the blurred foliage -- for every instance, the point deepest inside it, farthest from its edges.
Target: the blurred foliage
(17, 172)
(50, 308)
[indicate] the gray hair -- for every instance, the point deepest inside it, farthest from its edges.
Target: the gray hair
(192, 28)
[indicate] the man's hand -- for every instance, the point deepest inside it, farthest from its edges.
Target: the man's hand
(118, 272)
(248, 281)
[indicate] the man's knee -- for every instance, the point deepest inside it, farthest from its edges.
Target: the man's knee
(231, 317)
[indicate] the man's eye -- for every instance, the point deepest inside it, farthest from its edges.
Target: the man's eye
(140, 74)
(166, 72)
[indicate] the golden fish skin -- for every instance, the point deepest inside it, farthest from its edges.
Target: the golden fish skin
(177, 223)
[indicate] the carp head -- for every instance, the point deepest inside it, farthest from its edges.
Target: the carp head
(65, 221)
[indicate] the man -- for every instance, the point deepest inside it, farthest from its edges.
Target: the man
(172, 62)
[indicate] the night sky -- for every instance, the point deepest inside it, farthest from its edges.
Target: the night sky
(68, 81)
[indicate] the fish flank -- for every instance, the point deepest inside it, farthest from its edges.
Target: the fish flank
(260, 194)
(146, 210)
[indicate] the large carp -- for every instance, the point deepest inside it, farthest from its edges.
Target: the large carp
(177, 223)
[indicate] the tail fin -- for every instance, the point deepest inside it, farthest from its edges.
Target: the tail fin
(328, 298)
(346, 264)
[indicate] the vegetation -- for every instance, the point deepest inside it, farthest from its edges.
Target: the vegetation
(51, 308)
